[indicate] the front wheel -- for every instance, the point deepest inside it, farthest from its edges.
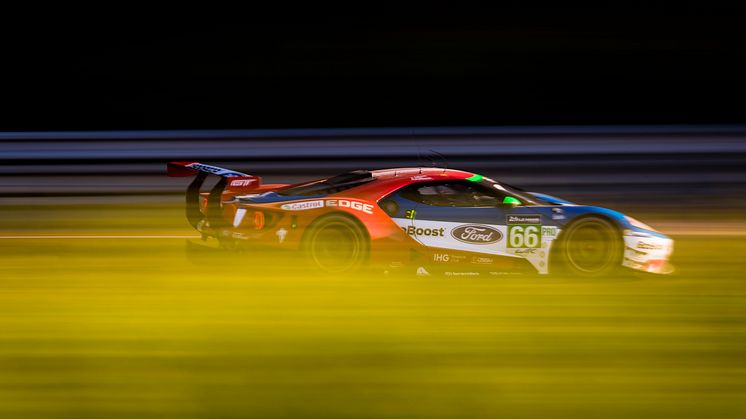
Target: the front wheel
(336, 244)
(590, 247)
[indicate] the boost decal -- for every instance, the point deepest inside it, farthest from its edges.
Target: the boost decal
(476, 234)
(524, 231)
(416, 231)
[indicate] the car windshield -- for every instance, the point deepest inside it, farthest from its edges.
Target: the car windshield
(520, 193)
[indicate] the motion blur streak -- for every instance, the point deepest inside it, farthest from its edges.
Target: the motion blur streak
(129, 328)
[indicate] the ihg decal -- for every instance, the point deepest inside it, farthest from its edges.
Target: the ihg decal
(476, 234)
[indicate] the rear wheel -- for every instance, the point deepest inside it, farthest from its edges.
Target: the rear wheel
(590, 247)
(336, 244)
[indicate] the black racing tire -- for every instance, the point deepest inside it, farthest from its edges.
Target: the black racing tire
(336, 244)
(591, 247)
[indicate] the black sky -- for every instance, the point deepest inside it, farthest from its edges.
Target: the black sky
(137, 70)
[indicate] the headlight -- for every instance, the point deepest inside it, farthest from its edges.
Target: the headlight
(639, 224)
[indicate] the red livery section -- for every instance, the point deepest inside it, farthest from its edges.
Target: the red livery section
(180, 169)
(244, 183)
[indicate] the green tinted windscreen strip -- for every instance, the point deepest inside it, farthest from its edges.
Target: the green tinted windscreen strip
(509, 200)
(475, 178)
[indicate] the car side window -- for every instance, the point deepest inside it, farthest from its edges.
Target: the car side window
(452, 194)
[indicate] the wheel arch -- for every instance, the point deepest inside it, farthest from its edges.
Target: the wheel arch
(359, 259)
(321, 219)
(555, 256)
(579, 218)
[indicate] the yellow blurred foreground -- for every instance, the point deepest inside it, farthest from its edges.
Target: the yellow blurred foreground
(127, 328)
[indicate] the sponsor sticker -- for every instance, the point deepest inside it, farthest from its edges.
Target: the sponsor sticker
(243, 182)
(529, 251)
(524, 219)
(345, 203)
(240, 213)
(453, 273)
(421, 271)
(339, 203)
(558, 214)
(302, 206)
(649, 246)
(448, 258)
(632, 264)
(504, 273)
(526, 251)
(212, 169)
(281, 233)
(441, 257)
(524, 231)
(204, 167)
(636, 252)
(549, 231)
(476, 234)
(410, 214)
(417, 231)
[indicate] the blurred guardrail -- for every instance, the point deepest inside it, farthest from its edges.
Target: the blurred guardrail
(662, 161)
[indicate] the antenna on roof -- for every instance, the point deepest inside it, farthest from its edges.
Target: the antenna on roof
(436, 160)
(419, 158)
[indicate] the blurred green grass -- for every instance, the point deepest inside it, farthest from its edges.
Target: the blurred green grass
(129, 329)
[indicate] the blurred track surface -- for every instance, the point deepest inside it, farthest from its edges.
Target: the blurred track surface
(129, 329)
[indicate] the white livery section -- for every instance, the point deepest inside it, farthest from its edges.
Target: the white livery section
(531, 240)
(647, 253)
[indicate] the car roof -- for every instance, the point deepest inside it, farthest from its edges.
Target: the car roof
(374, 184)
(389, 180)
(384, 174)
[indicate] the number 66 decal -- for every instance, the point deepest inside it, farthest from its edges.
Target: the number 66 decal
(524, 235)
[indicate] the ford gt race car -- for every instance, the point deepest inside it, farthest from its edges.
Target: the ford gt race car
(425, 220)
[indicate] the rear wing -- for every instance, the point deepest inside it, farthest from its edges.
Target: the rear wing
(239, 182)
(190, 168)
(232, 180)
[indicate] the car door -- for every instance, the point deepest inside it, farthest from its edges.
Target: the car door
(456, 214)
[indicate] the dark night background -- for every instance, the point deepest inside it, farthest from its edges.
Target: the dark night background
(643, 64)
(102, 314)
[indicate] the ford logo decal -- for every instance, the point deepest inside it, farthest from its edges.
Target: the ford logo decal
(476, 234)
